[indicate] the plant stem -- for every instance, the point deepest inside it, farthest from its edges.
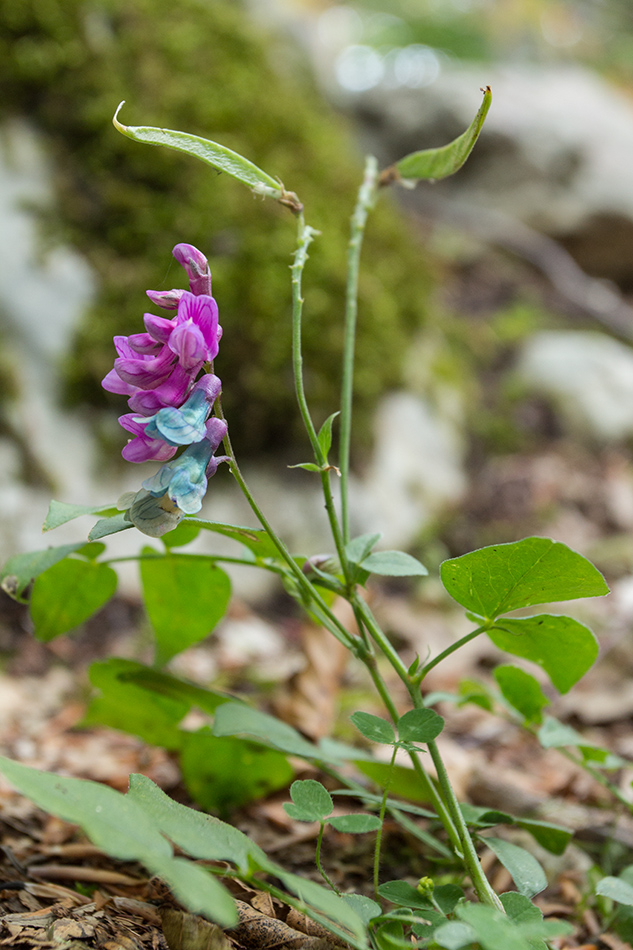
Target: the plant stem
(419, 676)
(305, 235)
(317, 858)
(365, 201)
(381, 815)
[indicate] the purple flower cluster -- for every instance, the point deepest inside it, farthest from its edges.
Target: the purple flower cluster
(158, 372)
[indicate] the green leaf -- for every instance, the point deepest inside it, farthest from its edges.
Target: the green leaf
(504, 577)
(60, 513)
(365, 907)
(255, 539)
(307, 466)
(21, 569)
(233, 719)
(325, 434)
(404, 894)
(358, 548)
(563, 647)
(181, 535)
(218, 156)
(393, 564)
(402, 781)
(110, 525)
(617, 889)
(355, 824)
(447, 896)
(68, 593)
(520, 908)
(374, 728)
(201, 836)
(121, 827)
(124, 704)
(311, 801)
(554, 838)
(437, 163)
(420, 725)
(223, 774)
(184, 597)
(554, 734)
(522, 691)
(454, 935)
(493, 930)
(526, 872)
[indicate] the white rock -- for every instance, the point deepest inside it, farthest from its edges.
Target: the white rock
(589, 378)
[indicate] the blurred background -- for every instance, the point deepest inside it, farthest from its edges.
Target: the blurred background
(495, 375)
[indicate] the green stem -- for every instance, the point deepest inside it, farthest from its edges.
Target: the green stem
(381, 815)
(305, 235)
(365, 202)
(320, 868)
(419, 676)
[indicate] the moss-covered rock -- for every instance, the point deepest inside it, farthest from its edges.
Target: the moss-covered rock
(203, 67)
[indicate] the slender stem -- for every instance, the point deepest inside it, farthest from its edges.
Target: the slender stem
(419, 676)
(305, 235)
(365, 202)
(317, 858)
(381, 815)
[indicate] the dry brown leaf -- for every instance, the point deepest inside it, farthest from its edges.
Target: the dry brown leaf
(72, 872)
(190, 932)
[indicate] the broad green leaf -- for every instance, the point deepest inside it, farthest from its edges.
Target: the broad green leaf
(355, 824)
(436, 163)
(124, 704)
(201, 836)
(358, 548)
(504, 577)
(404, 894)
(374, 728)
(59, 513)
(91, 551)
(447, 896)
(393, 564)
(68, 593)
(520, 908)
(522, 691)
(311, 801)
(554, 838)
(21, 569)
(235, 719)
(526, 872)
(454, 935)
(493, 930)
(181, 535)
(122, 828)
(617, 889)
(173, 687)
(402, 781)
(364, 906)
(107, 526)
(184, 597)
(255, 539)
(218, 156)
(325, 434)
(420, 725)
(563, 647)
(223, 774)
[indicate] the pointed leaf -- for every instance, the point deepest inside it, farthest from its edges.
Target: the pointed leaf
(185, 597)
(493, 929)
(69, 593)
(374, 728)
(232, 719)
(355, 824)
(107, 526)
(59, 513)
(255, 539)
(504, 577)
(201, 836)
(404, 894)
(554, 734)
(393, 564)
(420, 725)
(358, 548)
(522, 691)
(617, 889)
(563, 647)
(526, 872)
(21, 569)
(181, 535)
(436, 163)
(218, 156)
(325, 434)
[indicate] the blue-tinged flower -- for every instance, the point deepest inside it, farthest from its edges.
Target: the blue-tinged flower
(187, 424)
(153, 516)
(184, 480)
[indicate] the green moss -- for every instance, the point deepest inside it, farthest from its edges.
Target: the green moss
(202, 67)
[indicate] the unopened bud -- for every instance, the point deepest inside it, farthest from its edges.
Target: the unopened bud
(167, 299)
(425, 886)
(197, 267)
